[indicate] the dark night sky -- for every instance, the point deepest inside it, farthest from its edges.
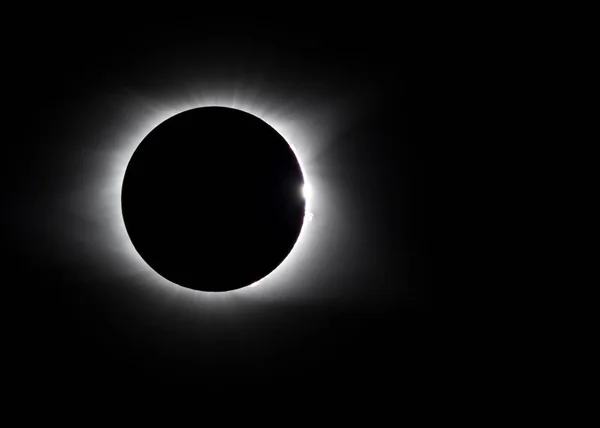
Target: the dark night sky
(360, 314)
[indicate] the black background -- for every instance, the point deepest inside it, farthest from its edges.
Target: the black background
(70, 335)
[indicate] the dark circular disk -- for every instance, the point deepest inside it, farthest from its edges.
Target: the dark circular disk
(212, 199)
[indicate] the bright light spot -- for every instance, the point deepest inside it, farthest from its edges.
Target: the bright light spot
(309, 216)
(306, 191)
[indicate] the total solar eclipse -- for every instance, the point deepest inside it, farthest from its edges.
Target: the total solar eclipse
(212, 199)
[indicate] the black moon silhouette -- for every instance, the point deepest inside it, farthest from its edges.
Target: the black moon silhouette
(212, 199)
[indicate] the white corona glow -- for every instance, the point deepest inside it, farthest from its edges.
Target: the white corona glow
(288, 130)
(307, 124)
